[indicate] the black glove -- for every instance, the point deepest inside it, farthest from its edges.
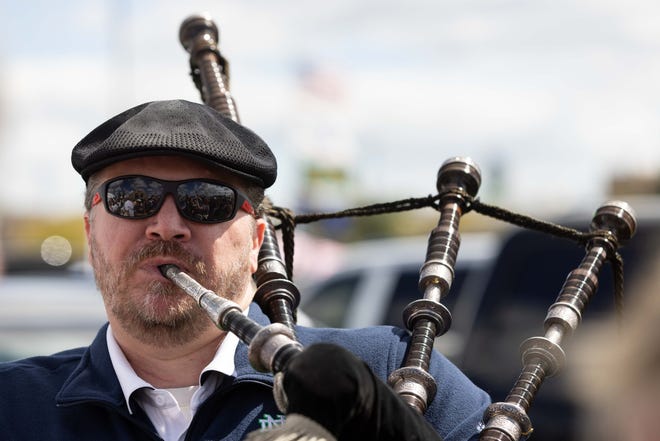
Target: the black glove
(333, 387)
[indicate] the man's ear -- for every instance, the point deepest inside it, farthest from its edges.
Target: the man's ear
(257, 240)
(88, 232)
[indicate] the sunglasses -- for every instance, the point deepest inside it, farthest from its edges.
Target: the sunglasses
(199, 200)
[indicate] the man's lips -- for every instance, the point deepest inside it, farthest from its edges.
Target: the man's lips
(155, 265)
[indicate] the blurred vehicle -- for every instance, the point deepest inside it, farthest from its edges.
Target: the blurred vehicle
(45, 313)
(503, 288)
(378, 278)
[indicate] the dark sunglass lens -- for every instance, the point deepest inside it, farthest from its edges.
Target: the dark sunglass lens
(205, 201)
(134, 197)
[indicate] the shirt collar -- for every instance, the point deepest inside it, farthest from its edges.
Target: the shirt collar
(128, 379)
(222, 362)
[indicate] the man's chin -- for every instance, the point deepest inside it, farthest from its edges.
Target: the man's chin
(168, 308)
(168, 333)
(163, 320)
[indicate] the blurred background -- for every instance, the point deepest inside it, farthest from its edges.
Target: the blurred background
(558, 102)
(361, 101)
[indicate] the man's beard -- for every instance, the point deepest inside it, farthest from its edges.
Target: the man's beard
(182, 320)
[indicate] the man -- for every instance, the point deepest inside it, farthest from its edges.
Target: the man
(160, 369)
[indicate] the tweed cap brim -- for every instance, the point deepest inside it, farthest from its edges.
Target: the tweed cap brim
(176, 127)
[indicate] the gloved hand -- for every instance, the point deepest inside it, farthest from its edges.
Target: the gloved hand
(333, 387)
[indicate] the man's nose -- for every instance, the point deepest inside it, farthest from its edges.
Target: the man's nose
(168, 224)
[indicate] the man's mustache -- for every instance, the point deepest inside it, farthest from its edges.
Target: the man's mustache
(166, 248)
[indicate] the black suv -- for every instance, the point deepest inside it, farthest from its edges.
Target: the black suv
(506, 301)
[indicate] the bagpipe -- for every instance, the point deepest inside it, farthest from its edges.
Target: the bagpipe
(274, 348)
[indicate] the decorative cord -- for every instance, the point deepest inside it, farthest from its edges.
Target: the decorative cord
(289, 221)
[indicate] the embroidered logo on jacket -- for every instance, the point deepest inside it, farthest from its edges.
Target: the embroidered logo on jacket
(269, 422)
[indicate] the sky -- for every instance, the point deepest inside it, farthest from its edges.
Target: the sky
(550, 99)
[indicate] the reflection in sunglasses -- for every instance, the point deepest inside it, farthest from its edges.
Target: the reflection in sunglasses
(199, 200)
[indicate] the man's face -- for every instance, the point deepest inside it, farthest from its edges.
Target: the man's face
(126, 253)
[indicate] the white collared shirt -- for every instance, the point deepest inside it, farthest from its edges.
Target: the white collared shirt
(171, 410)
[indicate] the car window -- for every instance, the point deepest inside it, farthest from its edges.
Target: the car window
(525, 281)
(407, 290)
(331, 304)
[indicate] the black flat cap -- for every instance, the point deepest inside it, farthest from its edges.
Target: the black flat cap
(176, 127)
